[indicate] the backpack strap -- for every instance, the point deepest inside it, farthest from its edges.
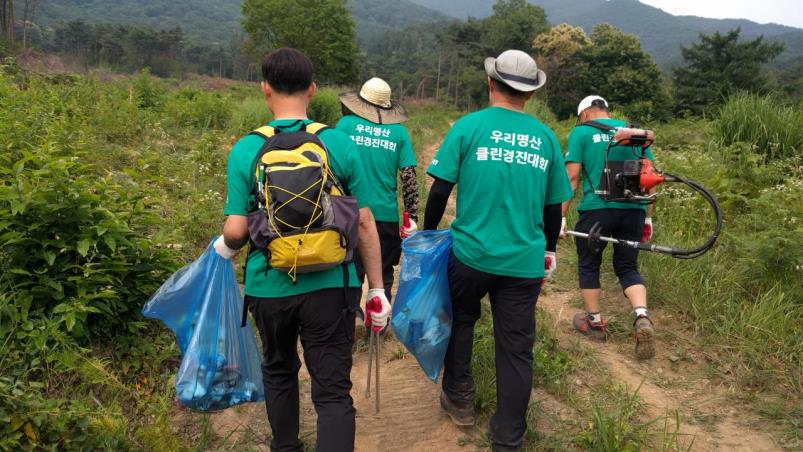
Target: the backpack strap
(264, 132)
(315, 128)
(598, 125)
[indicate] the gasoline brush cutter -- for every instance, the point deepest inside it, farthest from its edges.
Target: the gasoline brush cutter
(633, 181)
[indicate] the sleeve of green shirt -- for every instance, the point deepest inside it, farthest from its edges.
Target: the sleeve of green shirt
(558, 187)
(407, 156)
(446, 164)
(574, 148)
(238, 180)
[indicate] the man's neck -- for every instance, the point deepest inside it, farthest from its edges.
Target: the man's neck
(289, 107)
(597, 115)
(508, 106)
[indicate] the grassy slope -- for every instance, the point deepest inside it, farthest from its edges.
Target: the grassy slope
(175, 139)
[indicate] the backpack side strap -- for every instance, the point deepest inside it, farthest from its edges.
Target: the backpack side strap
(264, 132)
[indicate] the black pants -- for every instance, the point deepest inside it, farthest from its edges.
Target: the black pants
(325, 321)
(627, 224)
(390, 244)
(513, 307)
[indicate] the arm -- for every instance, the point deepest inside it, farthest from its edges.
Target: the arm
(235, 231)
(368, 247)
(552, 220)
(573, 171)
(410, 191)
(436, 203)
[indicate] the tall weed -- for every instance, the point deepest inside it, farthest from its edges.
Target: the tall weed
(774, 128)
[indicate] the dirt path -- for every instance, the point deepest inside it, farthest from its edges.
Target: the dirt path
(706, 418)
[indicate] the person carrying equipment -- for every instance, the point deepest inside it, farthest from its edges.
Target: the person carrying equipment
(373, 121)
(288, 195)
(586, 157)
(511, 181)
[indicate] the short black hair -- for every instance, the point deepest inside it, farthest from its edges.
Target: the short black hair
(508, 90)
(287, 71)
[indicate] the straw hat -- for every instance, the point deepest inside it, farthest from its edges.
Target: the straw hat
(373, 102)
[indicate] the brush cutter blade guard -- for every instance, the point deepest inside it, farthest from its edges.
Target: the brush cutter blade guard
(649, 178)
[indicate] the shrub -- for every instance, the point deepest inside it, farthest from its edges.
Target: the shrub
(540, 110)
(149, 92)
(775, 129)
(192, 107)
(249, 114)
(325, 107)
(70, 248)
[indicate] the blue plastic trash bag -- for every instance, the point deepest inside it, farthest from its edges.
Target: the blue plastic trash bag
(221, 363)
(422, 312)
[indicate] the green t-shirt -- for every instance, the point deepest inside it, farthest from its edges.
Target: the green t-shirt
(507, 166)
(384, 150)
(587, 147)
(347, 168)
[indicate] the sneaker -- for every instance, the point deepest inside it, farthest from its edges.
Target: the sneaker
(645, 337)
(583, 324)
(462, 417)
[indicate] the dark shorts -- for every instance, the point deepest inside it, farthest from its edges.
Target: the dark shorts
(627, 224)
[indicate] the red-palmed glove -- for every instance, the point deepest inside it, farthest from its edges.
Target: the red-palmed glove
(378, 309)
(408, 226)
(646, 234)
(550, 264)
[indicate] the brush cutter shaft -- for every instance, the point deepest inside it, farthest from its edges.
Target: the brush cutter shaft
(629, 243)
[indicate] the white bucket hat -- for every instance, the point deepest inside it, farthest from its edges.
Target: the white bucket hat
(517, 70)
(373, 102)
(591, 101)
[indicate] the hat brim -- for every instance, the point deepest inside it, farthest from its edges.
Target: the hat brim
(395, 114)
(518, 85)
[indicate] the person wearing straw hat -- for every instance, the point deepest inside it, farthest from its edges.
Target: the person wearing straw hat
(511, 181)
(373, 121)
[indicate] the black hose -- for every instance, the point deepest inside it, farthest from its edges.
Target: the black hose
(686, 253)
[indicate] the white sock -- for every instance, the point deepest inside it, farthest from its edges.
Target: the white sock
(641, 311)
(596, 317)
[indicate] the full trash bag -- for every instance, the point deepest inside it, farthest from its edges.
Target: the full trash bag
(422, 312)
(220, 363)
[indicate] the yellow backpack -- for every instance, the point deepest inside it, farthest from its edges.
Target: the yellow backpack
(304, 222)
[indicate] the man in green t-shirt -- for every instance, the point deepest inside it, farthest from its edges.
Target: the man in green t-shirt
(316, 307)
(373, 121)
(511, 181)
(585, 156)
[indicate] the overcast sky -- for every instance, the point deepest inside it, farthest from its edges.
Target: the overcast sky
(787, 12)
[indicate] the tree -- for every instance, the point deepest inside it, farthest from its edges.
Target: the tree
(609, 63)
(323, 29)
(513, 25)
(7, 19)
(719, 65)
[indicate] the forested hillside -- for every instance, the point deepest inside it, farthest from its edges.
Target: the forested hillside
(661, 33)
(211, 21)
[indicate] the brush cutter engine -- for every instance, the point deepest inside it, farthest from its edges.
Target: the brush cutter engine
(633, 181)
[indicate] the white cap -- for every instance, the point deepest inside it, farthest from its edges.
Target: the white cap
(591, 101)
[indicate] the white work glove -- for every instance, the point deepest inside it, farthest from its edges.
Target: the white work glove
(550, 264)
(563, 228)
(223, 250)
(646, 234)
(380, 319)
(408, 231)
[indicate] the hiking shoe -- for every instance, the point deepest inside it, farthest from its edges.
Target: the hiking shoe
(462, 417)
(583, 324)
(645, 337)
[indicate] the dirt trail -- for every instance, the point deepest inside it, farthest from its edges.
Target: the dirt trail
(705, 416)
